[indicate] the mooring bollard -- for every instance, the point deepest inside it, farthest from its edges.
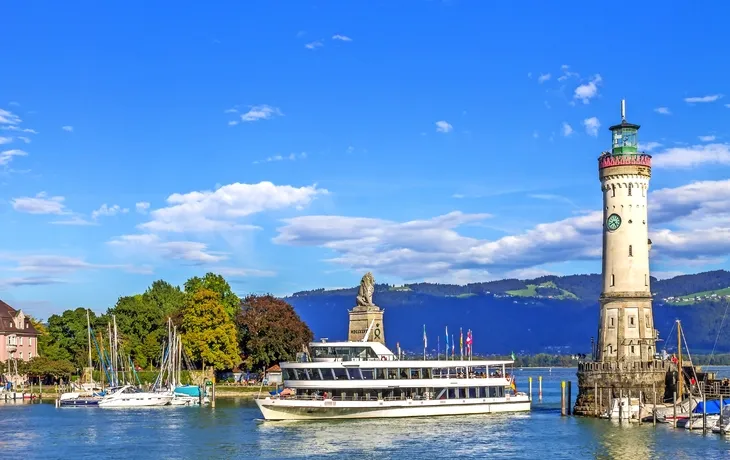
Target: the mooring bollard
(539, 388)
(562, 398)
(529, 379)
(212, 399)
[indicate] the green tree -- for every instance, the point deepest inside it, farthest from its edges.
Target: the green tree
(218, 284)
(67, 337)
(43, 368)
(208, 334)
(269, 331)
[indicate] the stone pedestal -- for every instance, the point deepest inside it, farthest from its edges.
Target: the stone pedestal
(612, 378)
(360, 319)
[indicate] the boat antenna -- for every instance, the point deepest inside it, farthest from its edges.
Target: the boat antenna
(367, 333)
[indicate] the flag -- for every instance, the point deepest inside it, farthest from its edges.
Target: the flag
(446, 350)
(425, 339)
(461, 342)
(468, 342)
(513, 356)
(397, 344)
(453, 346)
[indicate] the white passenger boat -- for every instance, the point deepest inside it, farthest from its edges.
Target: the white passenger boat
(129, 396)
(344, 380)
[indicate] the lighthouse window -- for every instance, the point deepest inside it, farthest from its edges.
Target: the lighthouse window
(630, 189)
(611, 323)
(632, 350)
(646, 283)
(613, 192)
(613, 280)
(631, 251)
(631, 321)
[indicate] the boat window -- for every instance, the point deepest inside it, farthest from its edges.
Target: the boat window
(380, 373)
(285, 374)
(314, 374)
(440, 393)
(340, 374)
(415, 373)
(404, 374)
(367, 374)
(472, 393)
(500, 392)
(354, 374)
(492, 392)
(392, 373)
(426, 373)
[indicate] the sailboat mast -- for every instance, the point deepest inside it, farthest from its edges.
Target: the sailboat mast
(88, 332)
(111, 356)
(680, 378)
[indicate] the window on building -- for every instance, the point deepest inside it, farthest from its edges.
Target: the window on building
(643, 191)
(613, 192)
(613, 280)
(610, 321)
(30, 354)
(30, 341)
(646, 280)
(629, 189)
(631, 251)
(610, 349)
(632, 322)
(21, 355)
(21, 341)
(632, 350)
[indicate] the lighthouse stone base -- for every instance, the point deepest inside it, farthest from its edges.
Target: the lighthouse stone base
(613, 379)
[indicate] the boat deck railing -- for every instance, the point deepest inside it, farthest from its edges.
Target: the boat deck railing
(714, 389)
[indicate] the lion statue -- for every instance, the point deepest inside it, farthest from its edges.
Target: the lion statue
(365, 293)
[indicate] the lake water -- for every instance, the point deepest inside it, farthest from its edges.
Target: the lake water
(232, 430)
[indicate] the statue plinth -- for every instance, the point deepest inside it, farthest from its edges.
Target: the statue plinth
(361, 317)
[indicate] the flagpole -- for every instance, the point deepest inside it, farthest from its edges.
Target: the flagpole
(438, 348)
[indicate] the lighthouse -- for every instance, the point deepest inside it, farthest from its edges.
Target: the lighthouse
(626, 327)
(624, 359)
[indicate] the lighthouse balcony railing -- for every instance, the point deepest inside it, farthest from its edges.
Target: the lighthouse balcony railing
(613, 366)
(608, 160)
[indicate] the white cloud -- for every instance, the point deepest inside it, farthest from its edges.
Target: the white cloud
(261, 112)
(701, 99)
(649, 146)
(74, 220)
(567, 73)
(9, 118)
(290, 157)
(24, 139)
(543, 78)
(40, 204)
(5, 140)
(727, 105)
(242, 272)
(343, 38)
(67, 128)
(105, 210)
(443, 127)
(592, 124)
(707, 138)
(222, 209)
(689, 156)
(149, 244)
(231, 110)
(57, 265)
(7, 156)
(663, 110)
(314, 45)
(19, 130)
(687, 223)
(588, 91)
(535, 134)
(567, 129)
(142, 207)
(233, 123)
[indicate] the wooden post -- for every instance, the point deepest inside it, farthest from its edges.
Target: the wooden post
(569, 406)
(600, 402)
(674, 405)
(654, 417)
(562, 398)
(640, 395)
(529, 379)
(539, 388)
(40, 389)
(610, 404)
(212, 399)
(704, 413)
(620, 405)
(628, 417)
(31, 391)
(595, 399)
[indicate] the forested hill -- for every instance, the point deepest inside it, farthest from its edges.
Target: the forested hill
(545, 314)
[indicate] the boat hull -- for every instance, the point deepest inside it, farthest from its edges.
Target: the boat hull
(285, 409)
(137, 401)
(80, 402)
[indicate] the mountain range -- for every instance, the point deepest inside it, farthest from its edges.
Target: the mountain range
(549, 314)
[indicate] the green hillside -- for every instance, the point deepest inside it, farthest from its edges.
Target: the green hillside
(696, 297)
(546, 289)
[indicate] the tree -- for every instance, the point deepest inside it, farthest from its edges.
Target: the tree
(67, 337)
(218, 284)
(44, 368)
(142, 320)
(208, 334)
(269, 331)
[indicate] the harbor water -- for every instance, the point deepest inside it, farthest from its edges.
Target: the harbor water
(234, 430)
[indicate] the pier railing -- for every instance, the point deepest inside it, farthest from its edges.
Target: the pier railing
(631, 366)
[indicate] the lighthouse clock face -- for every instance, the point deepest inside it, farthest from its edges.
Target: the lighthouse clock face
(613, 222)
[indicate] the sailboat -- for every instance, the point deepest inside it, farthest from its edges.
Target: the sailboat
(171, 373)
(87, 393)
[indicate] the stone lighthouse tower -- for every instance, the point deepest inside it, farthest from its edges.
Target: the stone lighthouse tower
(624, 357)
(626, 326)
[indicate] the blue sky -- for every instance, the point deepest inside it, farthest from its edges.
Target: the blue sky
(294, 145)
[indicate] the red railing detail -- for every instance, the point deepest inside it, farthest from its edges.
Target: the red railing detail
(640, 159)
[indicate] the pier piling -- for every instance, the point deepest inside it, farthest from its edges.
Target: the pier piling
(562, 398)
(596, 396)
(674, 408)
(529, 379)
(704, 413)
(212, 398)
(620, 405)
(640, 405)
(539, 388)
(654, 411)
(569, 408)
